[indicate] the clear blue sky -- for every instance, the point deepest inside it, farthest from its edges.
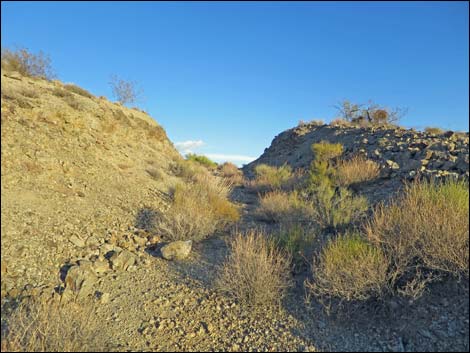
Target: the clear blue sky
(234, 74)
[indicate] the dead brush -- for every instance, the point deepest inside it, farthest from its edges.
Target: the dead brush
(355, 170)
(37, 325)
(231, 172)
(256, 273)
(198, 209)
(280, 206)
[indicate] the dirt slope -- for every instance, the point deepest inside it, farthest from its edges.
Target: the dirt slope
(72, 167)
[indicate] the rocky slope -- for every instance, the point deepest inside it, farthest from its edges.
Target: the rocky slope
(76, 169)
(400, 152)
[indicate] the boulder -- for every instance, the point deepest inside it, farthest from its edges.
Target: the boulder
(122, 260)
(80, 280)
(176, 250)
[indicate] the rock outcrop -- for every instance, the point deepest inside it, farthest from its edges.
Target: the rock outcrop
(401, 153)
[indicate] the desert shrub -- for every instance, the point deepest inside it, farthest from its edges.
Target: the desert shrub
(203, 160)
(280, 206)
(321, 170)
(314, 122)
(336, 207)
(370, 113)
(256, 272)
(425, 228)
(231, 172)
(297, 239)
(349, 268)
(125, 92)
(339, 122)
(74, 103)
(186, 169)
(269, 177)
(433, 131)
(355, 170)
(60, 92)
(37, 325)
(78, 90)
(198, 209)
(27, 63)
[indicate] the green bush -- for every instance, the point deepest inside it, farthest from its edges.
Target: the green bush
(297, 240)
(203, 160)
(321, 170)
(335, 208)
(349, 268)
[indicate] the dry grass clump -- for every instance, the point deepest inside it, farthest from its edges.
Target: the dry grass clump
(270, 178)
(338, 122)
(78, 90)
(27, 63)
(433, 131)
(349, 268)
(256, 272)
(355, 170)
(231, 172)
(427, 227)
(187, 170)
(199, 208)
(280, 206)
(37, 325)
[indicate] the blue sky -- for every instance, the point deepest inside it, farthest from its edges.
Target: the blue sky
(229, 76)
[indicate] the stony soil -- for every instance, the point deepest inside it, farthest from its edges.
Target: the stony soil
(79, 186)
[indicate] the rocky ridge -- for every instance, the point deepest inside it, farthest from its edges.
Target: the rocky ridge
(402, 153)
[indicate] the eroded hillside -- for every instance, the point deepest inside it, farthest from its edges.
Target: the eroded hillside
(75, 169)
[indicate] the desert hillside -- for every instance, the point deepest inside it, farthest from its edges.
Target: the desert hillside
(111, 240)
(75, 169)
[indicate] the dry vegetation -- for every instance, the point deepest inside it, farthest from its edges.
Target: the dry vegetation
(78, 90)
(27, 63)
(271, 178)
(433, 131)
(355, 170)
(231, 172)
(37, 325)
(199, 208)
(256, 272)
(427, 227)
(281, 206)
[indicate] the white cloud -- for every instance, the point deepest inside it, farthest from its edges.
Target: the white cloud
(235, 158)
(188, 146)
(185, 147)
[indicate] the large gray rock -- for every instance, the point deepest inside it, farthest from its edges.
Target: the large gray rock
(176, 250)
